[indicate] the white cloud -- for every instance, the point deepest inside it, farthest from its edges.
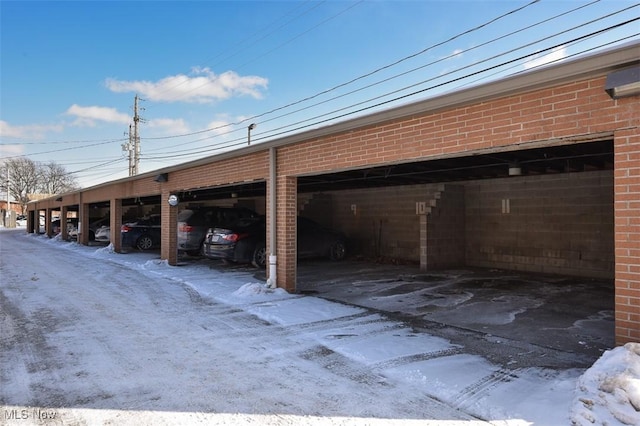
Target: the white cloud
(31, 131)
(88, 116)
(203, 86)
(219, 127)
(172, 126)
(556, 54)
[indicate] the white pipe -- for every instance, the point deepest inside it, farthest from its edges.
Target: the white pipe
(273, 263)
(272, 282)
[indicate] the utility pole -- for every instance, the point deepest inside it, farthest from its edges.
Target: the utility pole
(133, 147)
(130, 149)
(8, 197)
(136, 138)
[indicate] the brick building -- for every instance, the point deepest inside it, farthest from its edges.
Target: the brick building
(536, 172)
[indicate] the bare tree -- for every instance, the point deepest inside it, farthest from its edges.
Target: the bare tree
(55, 179)
(26, 177)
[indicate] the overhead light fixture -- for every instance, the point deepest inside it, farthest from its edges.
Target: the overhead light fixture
(515, 169)
(162, 177)
(249, 129)
(623, 83)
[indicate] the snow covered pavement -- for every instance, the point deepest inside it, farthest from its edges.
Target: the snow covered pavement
(88, 336)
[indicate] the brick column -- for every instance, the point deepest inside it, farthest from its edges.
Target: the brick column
(627, 234)
(83, 220)
(169, 230)
(63, 223)
(31, 222)
(115, 222)
(287, 212)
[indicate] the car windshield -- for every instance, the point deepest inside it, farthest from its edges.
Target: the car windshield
(184, 215)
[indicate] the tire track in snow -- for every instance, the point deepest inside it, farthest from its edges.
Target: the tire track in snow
(481, 388)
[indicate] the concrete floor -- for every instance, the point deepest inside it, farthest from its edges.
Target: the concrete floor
(560, 321)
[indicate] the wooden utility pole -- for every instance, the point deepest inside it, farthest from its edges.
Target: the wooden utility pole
(136, 138)
(133, 146)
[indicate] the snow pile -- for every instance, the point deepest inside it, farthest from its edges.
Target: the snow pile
(253, 289)
(608, 393)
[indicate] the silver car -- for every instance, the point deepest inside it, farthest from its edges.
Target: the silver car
(103, 234)
(194, 223)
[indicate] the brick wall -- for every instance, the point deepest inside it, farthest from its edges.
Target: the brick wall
(577, 108)
(627, 234)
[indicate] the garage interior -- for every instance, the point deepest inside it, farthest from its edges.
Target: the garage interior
(546, 209)
(519, 247)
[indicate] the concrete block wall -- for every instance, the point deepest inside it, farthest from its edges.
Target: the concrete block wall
(381, 222)
(560, 223)
(446, 229)
(548, 223)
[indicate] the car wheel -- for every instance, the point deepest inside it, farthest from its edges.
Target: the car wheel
(144, 243)
(259, 259)
(337, 251)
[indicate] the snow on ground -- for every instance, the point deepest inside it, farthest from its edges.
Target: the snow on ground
(388, 353)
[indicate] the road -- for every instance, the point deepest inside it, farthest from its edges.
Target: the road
(88, 341)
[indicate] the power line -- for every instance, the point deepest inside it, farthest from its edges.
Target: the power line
(337, 113)
(439, 76)
(375, 71)
(320, 120)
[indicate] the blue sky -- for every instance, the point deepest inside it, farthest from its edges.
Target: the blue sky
(205, 70)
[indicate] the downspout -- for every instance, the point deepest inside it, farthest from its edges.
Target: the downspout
(272, 282)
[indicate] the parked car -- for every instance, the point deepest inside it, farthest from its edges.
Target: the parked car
(103, 234)
(21, 220)
(244, 242)
(194, 223)
(95, 224)
(143, 233)
(72, 226)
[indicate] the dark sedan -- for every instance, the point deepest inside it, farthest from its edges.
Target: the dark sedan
(143, 234)
(244, 242)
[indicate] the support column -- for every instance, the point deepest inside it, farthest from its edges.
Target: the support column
(30, 221)
(626, 184)
(423, 240)
(48, 229)
(169, 230)
(115, 223)
(64, 232)
(287, 212)
(83, 223)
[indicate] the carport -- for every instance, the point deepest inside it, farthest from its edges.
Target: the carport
(547, 155)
